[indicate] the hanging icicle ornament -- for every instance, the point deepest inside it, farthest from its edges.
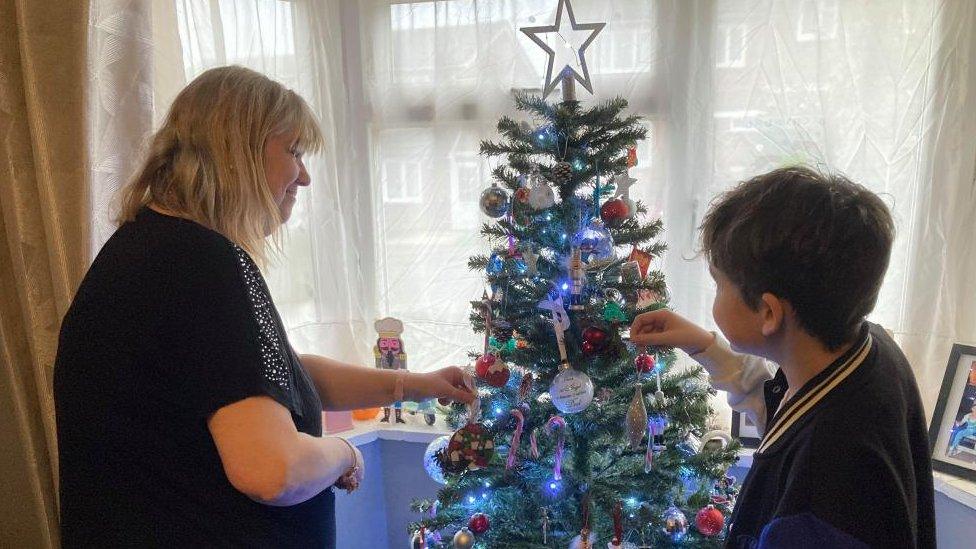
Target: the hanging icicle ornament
(571, 390)
(636, 418)
(658, 368)
(556, 427)
(513, 448)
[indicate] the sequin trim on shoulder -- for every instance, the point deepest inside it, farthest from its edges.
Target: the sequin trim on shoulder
(272, 349)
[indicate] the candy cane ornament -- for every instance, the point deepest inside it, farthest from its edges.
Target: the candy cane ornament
(556, 426)
(516, 439)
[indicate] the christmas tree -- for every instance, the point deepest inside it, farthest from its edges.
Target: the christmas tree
(579, 439)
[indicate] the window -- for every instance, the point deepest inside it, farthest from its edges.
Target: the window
(401, 181)
(731, 42)
(467, 183)
(420, 83)
(817, 21)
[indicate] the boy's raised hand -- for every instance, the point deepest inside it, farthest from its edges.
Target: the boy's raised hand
(665, 327)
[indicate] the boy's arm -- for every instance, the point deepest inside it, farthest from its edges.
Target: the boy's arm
(741, 376)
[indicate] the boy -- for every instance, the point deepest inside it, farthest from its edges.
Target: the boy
(798, 258)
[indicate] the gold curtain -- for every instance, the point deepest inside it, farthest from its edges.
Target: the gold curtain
(43, 245)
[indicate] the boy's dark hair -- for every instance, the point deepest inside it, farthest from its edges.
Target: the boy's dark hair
(816, 240)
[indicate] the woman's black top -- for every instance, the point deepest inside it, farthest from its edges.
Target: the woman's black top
(172, 322)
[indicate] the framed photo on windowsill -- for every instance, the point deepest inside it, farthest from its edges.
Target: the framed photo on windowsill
(745, 430)
(952, 434)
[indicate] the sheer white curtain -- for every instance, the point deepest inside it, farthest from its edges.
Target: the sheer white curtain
(884, 91)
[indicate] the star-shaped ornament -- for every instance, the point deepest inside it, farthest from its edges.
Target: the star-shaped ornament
(568, 44)
(622, 184)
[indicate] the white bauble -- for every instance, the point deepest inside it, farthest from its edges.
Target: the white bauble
(571, 391)
(431, 465)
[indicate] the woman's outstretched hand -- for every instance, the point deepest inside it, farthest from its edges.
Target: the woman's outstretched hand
(446, 384)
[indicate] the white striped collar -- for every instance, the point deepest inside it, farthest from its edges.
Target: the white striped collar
(808, 397)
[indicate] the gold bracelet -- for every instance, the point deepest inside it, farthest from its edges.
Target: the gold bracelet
(355, 462)
(348, 480)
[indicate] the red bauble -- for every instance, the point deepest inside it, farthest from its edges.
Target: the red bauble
(710, 521)
(478, 523)
(484, 362)
(614, 212)
(594, 339)
(644, 363)
(493, 371)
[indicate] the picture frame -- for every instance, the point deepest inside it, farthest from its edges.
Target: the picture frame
(952, 433)
(745, 430)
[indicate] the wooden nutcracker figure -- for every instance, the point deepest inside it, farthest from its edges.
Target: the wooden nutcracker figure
(390, 354)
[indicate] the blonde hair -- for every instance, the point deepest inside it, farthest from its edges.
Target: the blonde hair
(206, 162)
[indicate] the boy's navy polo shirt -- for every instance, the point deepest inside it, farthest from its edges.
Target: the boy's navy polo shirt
(845, 462)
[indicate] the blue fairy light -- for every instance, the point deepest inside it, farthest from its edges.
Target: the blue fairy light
(471, 499)
(487, 484)
(552, 487)
(632, 501)
(578, 165)
(565, 286)
(498, 410)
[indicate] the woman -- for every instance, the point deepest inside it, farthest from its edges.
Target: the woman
(184, 416)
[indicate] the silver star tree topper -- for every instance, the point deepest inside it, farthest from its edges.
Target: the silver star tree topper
(570, 41)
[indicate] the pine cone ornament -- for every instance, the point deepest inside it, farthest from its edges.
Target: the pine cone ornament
(561, 173)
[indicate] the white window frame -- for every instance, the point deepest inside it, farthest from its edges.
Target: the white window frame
(406, 197)
(724, 38)
(825, 28)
